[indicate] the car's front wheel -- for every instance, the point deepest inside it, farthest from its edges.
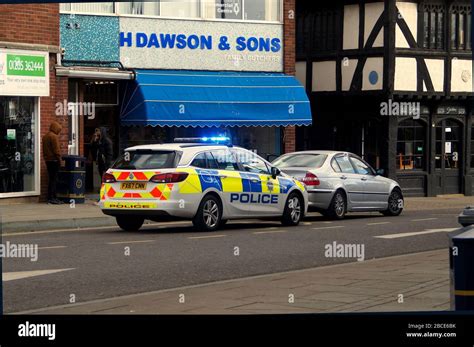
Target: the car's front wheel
(209, 214)
(395, 204)
(293, 210)
(129, 223)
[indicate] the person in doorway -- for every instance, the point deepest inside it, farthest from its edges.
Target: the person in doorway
(52, 157)
(102, 150)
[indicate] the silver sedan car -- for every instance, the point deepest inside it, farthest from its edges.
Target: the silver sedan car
(340, 182)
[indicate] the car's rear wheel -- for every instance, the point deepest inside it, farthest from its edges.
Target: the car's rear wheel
(129, 223)
(338, 207)
(395, 204)
(209, 214)
(293, 210)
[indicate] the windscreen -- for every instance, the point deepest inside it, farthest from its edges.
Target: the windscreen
(147, 160)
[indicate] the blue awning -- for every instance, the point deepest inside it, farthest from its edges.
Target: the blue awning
(206, 99)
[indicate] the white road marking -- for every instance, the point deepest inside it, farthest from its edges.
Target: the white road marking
(379, 223)
(112, 227)
(52, 247)
(333, 227)
(327, 222)
(205, 237)
(11, 276)
(422, 220)
(127, 242)
(270, 232)
(429, 231)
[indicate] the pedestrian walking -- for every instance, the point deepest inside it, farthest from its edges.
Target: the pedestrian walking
(52, 157)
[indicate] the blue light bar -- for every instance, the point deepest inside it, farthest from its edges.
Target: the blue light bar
(218, 140)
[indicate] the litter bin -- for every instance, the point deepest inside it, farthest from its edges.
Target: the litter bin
(461, 260)
(72, 179)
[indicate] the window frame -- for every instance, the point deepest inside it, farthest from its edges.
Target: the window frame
(459, 11)
(429, 8)
(201, 17)
(422, 125)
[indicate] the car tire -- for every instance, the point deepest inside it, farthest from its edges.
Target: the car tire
(209, 214)
(294, 210)
(395, 207)
(338, 206)
(129, 223)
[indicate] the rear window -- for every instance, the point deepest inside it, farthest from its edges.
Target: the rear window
(147, 160)
(301, 160)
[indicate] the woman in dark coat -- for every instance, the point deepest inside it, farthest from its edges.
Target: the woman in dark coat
(102, 150)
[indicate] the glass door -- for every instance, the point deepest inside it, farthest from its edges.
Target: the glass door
(448, 156)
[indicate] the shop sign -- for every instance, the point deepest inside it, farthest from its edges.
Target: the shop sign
(454, 110)
(200, 45)
(24, 73)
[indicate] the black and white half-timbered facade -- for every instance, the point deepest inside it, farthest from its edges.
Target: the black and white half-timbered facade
(392, 81)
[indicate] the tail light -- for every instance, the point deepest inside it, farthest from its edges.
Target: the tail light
(108, 178)
(170, 177)
(311, 179)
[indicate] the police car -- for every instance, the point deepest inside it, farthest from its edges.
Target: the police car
(206, 180)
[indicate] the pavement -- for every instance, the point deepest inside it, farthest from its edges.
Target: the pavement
(25, 217)
(415, 282)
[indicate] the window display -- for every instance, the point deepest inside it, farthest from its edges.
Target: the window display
(18, 151)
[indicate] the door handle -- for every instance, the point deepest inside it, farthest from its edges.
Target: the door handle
(363, 179)
(254, 180)
(222, 176)
(343, 177)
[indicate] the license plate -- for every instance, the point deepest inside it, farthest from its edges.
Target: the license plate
(133, 186)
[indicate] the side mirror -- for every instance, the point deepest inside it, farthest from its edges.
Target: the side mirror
(380, 172)
(275, 172)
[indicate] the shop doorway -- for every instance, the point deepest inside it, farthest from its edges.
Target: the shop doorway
(448, 157)
(104, 97)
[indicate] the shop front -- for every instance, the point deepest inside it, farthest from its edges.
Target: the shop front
(208, 78)
(24, 78)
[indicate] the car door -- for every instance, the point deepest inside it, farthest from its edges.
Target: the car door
(376, 190)
(231, 182)
(256, 178)
(351, 181)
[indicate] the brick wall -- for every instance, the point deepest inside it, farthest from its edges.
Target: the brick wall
(39, 24)
(289, 20)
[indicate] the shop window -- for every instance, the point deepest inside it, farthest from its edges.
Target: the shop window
(460, 27)
(18, 153)
(433, 28)
(411, 145)
(264, 10)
